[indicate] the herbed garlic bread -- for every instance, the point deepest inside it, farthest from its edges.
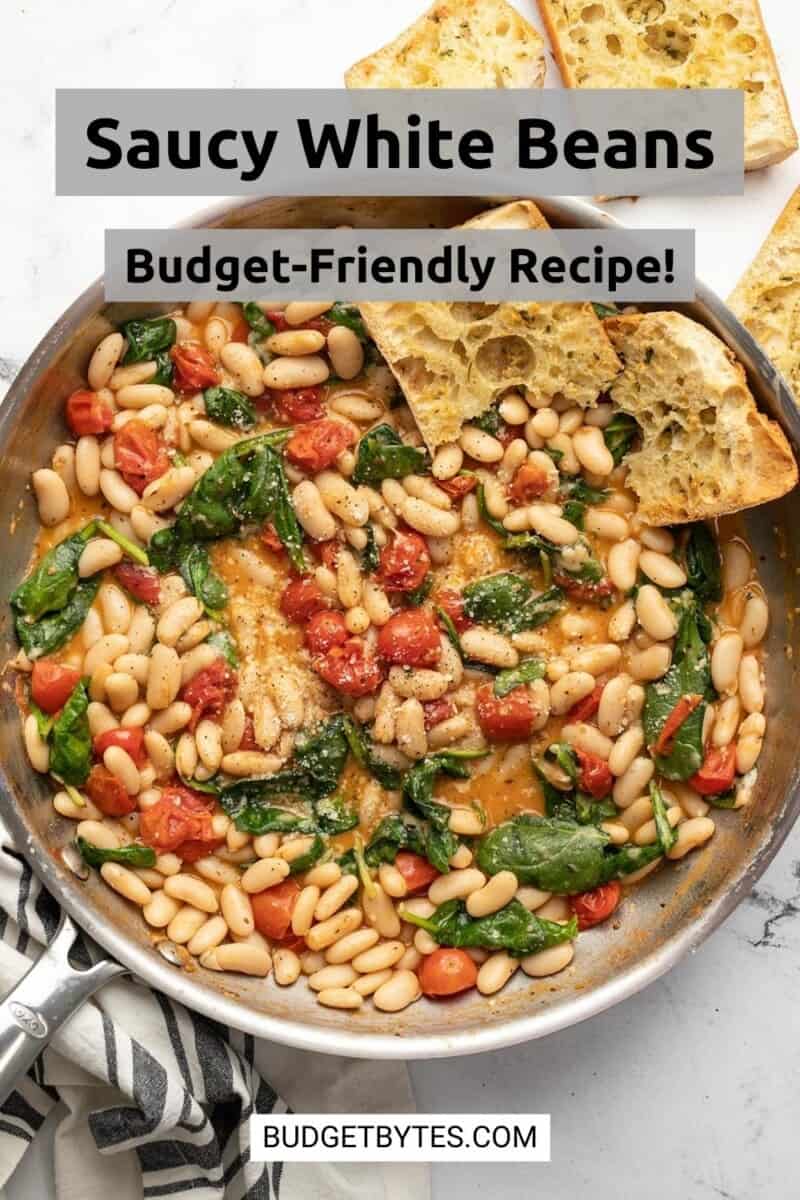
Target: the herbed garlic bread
(453, 360)
(767, 297)
(706, 449)
(669, 43)
(458, 44)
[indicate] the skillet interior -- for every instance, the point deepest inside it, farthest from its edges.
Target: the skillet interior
(671, 914)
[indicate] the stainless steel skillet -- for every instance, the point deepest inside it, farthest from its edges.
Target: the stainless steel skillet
(667, 917)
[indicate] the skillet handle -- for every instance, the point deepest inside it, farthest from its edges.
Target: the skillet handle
(42, 1001)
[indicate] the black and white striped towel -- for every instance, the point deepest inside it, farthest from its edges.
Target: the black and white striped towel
(156, 1099)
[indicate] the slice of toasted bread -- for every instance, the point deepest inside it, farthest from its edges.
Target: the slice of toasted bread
(458, 44)
(453, 360)
(669, 43)
(706, 449)
(767, 297)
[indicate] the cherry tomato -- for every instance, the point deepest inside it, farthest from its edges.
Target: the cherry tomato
(209, 691)
(52, 684)
(318, 444)
(140, 454)
(586, 708)
(86, 413)
(180, 818)
(273, 908)
(142, 582)
(194, 367)
(270, 539)
(595, 775)
(241, 330)
(582, 591)
(593, 907)
(506, 719)
(446, 972)
(294, 406)
(324, 630)
(529, 483)
(459, 485)
(129, 740)
(279, 321)
(319, 324)
(107, 793)
(717, 772)
(410, 639)
(404, 562)
(452, 603)
(436, 711)
(683, 709)
(248, 741)
(301, 598)
(349, 669)
(416, 870)
(328, 552)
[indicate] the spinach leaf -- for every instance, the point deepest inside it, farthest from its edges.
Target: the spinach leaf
(258, 321)
(513, 928)
(507, 601)
(258, 819)
(44, 721)
(593, 812)
(201, 580)
(703, 563)
(53, 582)
(365, 754)
(226, 406)
(147, 339)
(689, 675)
(304, 862)
(224, 642)
(71, 747)
(383, 455)
(576, 495)
(165, 370)
(604, 310)
(371, 554)
(334, 815)
(620, 434)
(130, 548)
(528, 670)
(246, 485)
(129, 856)
(558, 855)
(348, 315)
(489, 421)
(420, 593)
(441, 843)
(49, 632)
(391, 835)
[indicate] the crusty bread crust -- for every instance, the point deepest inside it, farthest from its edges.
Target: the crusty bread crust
(706, 449)
(454, 360)
(458, 44)
(668, 43)
(767, 297)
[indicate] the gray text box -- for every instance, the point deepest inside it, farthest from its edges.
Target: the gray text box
(400, 264)
(245, 142)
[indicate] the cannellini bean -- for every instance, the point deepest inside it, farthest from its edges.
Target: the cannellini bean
(63, 463)
(210, 437)
(159, 911)
(622, 622)
(87, 465)
(457, 885)
(192, 891)
(590, 448)
(726, 722)
(216, 335)
(349, 504)
(325, 933)
(751, 690)
(101, 719)
(211, 933)
(612, 710)
(122, 691)
(623, 562)
(237, 910)
(241, 957)
(351, 945)
(587, 738)
(298, 312)
(568, 690)
(264, 874)
(663, 571)
(366, 985)
(596, 660)
(691, 834)
(381, 913)
(116, 491)
(447, 461)
(755, 620)
(750, 742)
(105, 650)
(98, 554)
(345, 352)
(426, 519)
(174, 717)
(342, 997)
(650, 664)
(513, 409)
(480, 445)
(515, 454)
(122, 766)
(91, 629)
(164, 677)
(552, 527)
(165, 492)
(215, 870)
(654, 614)
(548, 962)
(52, 496)
(106, 355)
(633, 783)
(177, 618)
(420, 682)
(185, 924)
(726, 657)
(303, 912)
(487, 646)
(392, 881)
(410, 732)
(625, 750)
(338, 975)
(126, 883)
(495, 973)
(308, 371)
(647, 834)
(159, 752)
(605, 524)
(348, 579)
(208, 737)
(142, 395)
(379, 957)
(494, 895)
(736, 565)
(449, 731)
(467, 822)
(285, 967)
(296, 342)
(402, 989)
(233, 725)
(115, 608)
(245, 366)
(242, 763)
(356, 405)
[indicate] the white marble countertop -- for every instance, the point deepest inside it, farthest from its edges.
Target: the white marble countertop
(689, 1089)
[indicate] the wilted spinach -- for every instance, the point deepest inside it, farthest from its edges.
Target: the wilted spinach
(489, 421)
(620, 434)
(128, 856)
(371, 554)
(200, 578)
(258, 321)
(604, 310)
(576, 495)
(165, 370)
(148, 338)
(703, 563)
(52, 602)
(513, 928)
(71, 741)
(528, 671)
(689, 675)
(313, 854)
(418, 784)
(383, 455)
(226, 406)
(348, 315)
(224, 642)
(365, 754)
(334, 815)
(507, 602)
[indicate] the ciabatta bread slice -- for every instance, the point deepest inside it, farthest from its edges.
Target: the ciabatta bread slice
(706, 449)
(453, 360)
(767, 297)
(458, 44)
(671, 43)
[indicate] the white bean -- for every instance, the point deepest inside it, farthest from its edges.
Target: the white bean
(52, 496)
(755, 620)
(725, 659)
(283, 373)
(345, 352)
(97, 555)
(751, 690)
(87, 465)
(654, 613)
(245, 366)
(623, 562)
(663, 571)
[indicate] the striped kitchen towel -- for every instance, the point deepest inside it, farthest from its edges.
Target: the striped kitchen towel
(155, 1100)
